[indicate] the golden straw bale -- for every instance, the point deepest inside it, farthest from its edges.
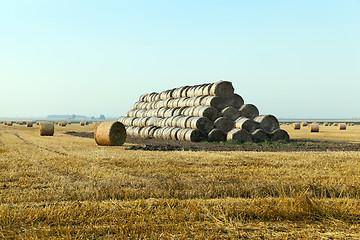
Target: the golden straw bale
(342, 126)
(296, 126)
(46, 128)
(110, 134)
(314, 127)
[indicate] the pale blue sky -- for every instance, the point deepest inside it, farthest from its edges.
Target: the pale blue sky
(293, 59)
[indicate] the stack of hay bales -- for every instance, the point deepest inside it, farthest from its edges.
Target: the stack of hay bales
(206, 112)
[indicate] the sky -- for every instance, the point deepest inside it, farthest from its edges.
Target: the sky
(290, 58)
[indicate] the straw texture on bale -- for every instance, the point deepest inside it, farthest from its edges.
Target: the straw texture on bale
(110, 134)
(259, 135)
(234, 100)
(279, 135)
(222, 89)
(239, 135)
(296, 126)
(46, 128)
(215, 135)
(214, 101)
(314, 127)
(202, 124)
(342, 126)
(267, 122)
(246, 124)
(231, 113)
(249, 111)
(224, 124)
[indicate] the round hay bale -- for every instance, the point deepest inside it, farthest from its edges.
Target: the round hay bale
(184, 91)
(169, 112)
(9, 123)
(29, 123)
(314, 127)
(96, 124)
(161, 112)
(231, 113)
(325, 124)
(191, 92)
(198, 100)
(223, 124)
(179, 111)
(334, 124)
(202, 124)
(110, 134)
(234, 100)
(279, 135)
(82, 124)
(206, 89)
(259, 135)
(239, 135)
(247, 124)
(296, 126)
(268, 122)
(304, 124)
(342, 126)
(46, 128)
(206, 111)
(215, 135)
(222, 89)
(193, 135)
(198, 90)
(214, 101)
(174, 133)
(181, 134)
(62, 124)
(249, 111)
(152, 120)
(182, 121)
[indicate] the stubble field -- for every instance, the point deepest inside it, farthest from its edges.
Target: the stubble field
(66, 186)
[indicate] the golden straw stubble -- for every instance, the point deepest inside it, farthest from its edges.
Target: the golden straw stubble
(110, 134)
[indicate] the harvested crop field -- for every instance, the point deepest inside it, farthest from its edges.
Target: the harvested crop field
(66, 186)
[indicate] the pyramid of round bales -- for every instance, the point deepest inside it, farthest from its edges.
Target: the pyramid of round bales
(206, 112)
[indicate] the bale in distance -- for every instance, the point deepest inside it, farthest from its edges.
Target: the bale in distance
(62, 124)
(29, 123)
(296, 126)
(239, 135)
(314, 127)
(110, 134)
(304, 124)
(46, 128)
(9, 123)
(342, 126)
(82, 124)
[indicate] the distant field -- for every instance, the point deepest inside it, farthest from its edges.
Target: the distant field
(68, 187)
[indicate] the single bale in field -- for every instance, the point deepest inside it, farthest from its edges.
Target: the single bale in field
(215, 135)
(231, 113)
(222, 89)
(224, 124)
(29, 123)
(314, 127)
(46, 128)
(259, 135)
(342, 126)
(304, 124)
(110, 134)
(249, 111)
(296, 126)
(325, 124)
(82, 124)
(86, 123)
(279, 135)
(239, 135)
(9, 123)
(246, 124)
(234, 100)
(62, 124)
(268, 122)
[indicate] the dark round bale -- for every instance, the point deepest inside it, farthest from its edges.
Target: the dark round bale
(239, 135)
(342, 126)
(296, 126)
(234, 100)
(222, 89)
(202, 124)
(62, 124)
(259, 135)
(9, 123)
(268, 122)
(213, 101)
(279, 135)
(246, 124)
(46, 128)
(206, 111)
(304, 124)
(194, 135)
(249, 111)
(314, 127)
(224, 124)
(215, 135)
(231, 113)
(110, 134)
(29, 123)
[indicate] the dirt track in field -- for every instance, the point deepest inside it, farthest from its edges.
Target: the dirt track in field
(172, 145)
